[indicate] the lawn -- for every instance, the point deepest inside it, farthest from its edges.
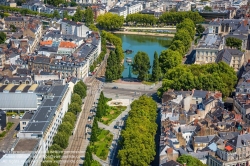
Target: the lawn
(148, 82)
(113, 113)
(101, 146)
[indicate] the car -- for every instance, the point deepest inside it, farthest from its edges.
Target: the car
(13, 116)
(89, 118)
(21, 116)
(115, 87)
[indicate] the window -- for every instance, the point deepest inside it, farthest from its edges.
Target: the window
(24, 123)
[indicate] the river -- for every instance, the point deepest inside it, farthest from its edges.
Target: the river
(148, 44)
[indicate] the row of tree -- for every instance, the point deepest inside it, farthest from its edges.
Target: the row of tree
(177, 76)
(95, 131)
(180, 45)
(63, 3)
(110, 21)
(165, 19)
(61, 139)
(141, 19)
(24, 11)
(137, 140)
(114, 66)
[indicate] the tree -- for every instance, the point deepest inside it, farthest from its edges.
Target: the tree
(69, 117)
(208, 8)
(114, 67)
(178, 45)
(73, 3)
(184, 36)
(88, 16)
(156, 70)
(49, 161)
(80, 90)
(189, 160)
(78, 16)
(76, 99)
(56, 14)
(94, 131)
(12, 28)
(55, 2)
(2, 37)
(74, 108)
(66, 15)
(234, 42)
(110, 21)
(199, 29)
(141, 65)
(55, 151)
(169, 59)
(61, 139)
(188, 25)
(66, 127)
(88, 157)
(93, 27)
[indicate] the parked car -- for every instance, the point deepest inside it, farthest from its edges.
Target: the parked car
(13, 116)
(115, 87)
(21, 116)
(89, 118)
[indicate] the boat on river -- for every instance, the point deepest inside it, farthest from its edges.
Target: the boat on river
(128, 51)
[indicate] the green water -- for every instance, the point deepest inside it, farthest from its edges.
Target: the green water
(148, 44)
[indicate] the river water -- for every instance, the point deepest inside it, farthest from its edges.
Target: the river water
(148, 44)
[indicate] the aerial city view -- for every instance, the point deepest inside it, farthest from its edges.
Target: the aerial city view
(124, 83)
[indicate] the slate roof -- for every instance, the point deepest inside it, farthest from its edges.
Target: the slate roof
(42, 59)
(44, 114)
(118, 9)
(203, 139)
(172, 163)
(228, 135)
(239, 140)
(200, 93)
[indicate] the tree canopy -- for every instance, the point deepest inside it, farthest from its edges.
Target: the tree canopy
(138, 145)
(177, 17)
(54, 2)
(75, 98)
(110, 21)
(88, 16)
(210, 77)
(56, 14)
(234, 42)
(74, 108)
(169, 59)
(156, 70)
(189, 160)
(199, 29)
(61, 139)
(208, 8)
(2, 37)
(78, 16)
(142, 19)
(141, 65)
(81, 89)
(114, 67)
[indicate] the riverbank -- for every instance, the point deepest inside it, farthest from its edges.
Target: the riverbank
(143, 33)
